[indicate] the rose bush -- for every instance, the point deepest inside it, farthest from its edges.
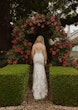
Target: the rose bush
(21, 47)
(25, 32)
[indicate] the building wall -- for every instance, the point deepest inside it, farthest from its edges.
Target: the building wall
(73, 37)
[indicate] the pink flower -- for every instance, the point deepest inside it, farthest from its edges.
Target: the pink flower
(30, 24)
(25, 43)
(28, 52)
(55, 23)
(23, 26)
(74, 63)
(34, 21)
(23, 59)
(15, 28)
(19, 50)
(19, 34)
(26, 56)
(15, 62)
(64, 46)
(14, 46)
(69, 44)
(14, 41)
(59, 22)
(47, 22)
(32, 29)
(17, 38)
(38, 24)
(60, 60)
(29, 43)
(52, 18)
(50, 50)
(43, 19)
(53, 52)
(56, 29)
(42, 26)
(59, 46)
(9, 61)
(64, 63)
(66, 55)
(8, 53)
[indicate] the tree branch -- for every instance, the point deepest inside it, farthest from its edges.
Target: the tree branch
(69, 20)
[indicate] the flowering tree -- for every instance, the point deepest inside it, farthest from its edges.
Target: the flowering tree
(25, 31)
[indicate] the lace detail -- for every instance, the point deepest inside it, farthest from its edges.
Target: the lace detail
(40, 88)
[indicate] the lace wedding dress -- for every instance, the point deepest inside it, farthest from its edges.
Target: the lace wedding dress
(40, 88)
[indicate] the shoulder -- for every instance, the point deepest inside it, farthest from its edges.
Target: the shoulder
(43, 46)
(33, 46)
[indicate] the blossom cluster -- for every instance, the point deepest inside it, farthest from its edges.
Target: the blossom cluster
(21, 48)
(60, 52)
(50, 27)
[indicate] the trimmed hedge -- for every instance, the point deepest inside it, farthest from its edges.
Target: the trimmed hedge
(63, 85)
(13, 84)
(3, 63)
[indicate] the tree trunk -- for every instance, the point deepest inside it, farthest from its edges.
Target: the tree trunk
(4, 25)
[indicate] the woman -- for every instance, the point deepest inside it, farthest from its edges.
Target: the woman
(39, 56)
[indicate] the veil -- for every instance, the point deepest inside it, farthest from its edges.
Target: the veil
(40, 36)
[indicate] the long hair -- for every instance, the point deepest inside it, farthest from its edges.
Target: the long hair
(40, 38)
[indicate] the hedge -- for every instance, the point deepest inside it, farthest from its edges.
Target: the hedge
(13, 84)
(63, 85)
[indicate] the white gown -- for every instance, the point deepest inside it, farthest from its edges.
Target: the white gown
(40, 88)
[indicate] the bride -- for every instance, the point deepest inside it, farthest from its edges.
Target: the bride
(39, 55)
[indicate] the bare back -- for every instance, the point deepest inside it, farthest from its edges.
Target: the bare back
(38, 47)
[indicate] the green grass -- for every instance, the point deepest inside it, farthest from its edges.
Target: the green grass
(63, 85)
(13, 84)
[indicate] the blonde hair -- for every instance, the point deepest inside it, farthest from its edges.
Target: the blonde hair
(40, 39)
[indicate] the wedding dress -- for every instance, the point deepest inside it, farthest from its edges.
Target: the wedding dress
(40, 88)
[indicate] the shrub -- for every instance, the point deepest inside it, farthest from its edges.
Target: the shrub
(60, 53)
(3, 59)
(20, 53)
(63, 85)
(13, 84)
(25, 31)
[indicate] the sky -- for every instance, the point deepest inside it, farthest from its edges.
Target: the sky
(72, 28)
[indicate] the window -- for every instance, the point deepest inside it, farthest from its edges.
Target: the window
(75, 48)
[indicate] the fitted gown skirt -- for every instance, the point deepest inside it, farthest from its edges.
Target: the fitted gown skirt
(40, 88)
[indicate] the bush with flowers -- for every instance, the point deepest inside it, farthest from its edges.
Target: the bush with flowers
(25, 32)
(3, 59)
(60, 53)
(21, 47)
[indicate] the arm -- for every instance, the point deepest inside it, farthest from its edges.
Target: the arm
(45, 55)
(32, 52)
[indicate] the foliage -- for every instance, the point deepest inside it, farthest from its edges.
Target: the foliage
(13, 84)
(3, 59)
(65, 9)
(63, 86)
(25, 31)
(21, 47)
(23, 8)
(60, 53)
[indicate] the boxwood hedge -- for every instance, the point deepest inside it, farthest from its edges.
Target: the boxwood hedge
(13, 84)
(63, 85)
